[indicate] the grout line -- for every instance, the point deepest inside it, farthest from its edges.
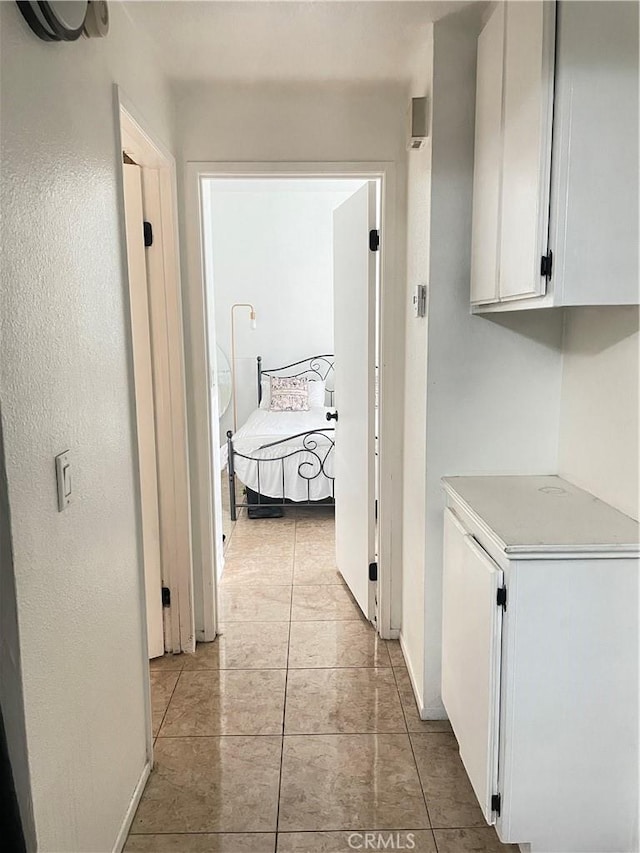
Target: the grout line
(312, 831)
(286, 679)
(167, 707)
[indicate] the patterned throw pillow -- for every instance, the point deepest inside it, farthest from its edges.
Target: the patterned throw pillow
(289, 394)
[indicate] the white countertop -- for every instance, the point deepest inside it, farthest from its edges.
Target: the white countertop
(545, 513)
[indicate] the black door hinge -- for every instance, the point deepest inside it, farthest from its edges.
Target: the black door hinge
(148, 233)
(166, 596)
(546, 265)
(373, 571)
(496, 803)
(501, 597)
(375, 509)
(374, 240)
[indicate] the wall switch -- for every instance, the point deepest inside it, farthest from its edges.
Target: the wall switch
(63, 478)
(420, 300)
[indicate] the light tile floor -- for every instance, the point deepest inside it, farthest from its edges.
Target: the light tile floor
(297, 729)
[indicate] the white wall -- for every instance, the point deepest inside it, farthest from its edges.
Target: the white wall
(599, 425)
(415, 399)
(493, 385)
(272, 246)
(311, 123)
(66, 384)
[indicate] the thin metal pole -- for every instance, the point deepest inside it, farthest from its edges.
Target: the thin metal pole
(233, 355)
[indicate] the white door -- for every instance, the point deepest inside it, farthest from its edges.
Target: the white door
(145, 414)
(354, 286)
(526, 169)
(471, 649)
(485, 232)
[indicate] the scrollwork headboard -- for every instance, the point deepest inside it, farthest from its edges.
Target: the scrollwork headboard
(318, 367)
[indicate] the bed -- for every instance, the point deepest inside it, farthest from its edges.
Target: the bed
(285, 458)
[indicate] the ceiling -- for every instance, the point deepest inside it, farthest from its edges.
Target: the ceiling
(247, 40)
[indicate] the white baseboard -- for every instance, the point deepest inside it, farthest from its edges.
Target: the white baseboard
(394, 634)
(412, 678)
(131, 810)
(432, 712)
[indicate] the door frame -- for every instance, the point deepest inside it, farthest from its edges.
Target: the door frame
(167, 353)
(390, 378)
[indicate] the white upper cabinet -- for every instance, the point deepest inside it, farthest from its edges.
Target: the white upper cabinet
(555, 215)
(485, 241)
(594, 202)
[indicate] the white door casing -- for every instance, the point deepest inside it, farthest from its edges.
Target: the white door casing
(471, 656)
(145, 411)
(354, 287)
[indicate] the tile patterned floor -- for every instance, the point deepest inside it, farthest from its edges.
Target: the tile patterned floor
(297, 729)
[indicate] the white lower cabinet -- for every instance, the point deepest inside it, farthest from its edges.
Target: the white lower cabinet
(540, 660)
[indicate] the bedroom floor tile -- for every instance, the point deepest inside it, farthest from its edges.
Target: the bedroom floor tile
(342, 781)
(163, 683)
(223, 842)
(217, 784)
(167, 661)
(258, 571)
(342, 701)
(408, 699)
(315, 602)
(263, 604)
(335, 644)
(243, 645)
(477, 840)
(311, 570)
(226, 702)
(447, 789)
(258, 547)
(297, 727)
(419, 841)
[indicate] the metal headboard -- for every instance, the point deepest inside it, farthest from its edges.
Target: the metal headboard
(316, 367)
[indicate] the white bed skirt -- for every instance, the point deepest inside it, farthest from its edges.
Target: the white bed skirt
(301, 468)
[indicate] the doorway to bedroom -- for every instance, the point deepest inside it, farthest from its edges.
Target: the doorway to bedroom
(292, 289)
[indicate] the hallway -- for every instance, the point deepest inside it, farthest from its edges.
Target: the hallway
(297, 727)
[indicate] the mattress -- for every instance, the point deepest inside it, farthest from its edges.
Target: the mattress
(276, 456)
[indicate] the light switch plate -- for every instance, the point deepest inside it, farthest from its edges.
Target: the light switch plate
(63, 479)
(420, 300)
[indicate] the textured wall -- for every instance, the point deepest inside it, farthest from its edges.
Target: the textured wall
(493, 384)
(65, 385)
(599, 414)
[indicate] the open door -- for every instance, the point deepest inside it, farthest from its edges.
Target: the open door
(354, 285)
(145, 413)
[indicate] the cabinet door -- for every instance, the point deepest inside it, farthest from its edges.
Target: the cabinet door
(471, 652)
(526, 160)
(487, 161)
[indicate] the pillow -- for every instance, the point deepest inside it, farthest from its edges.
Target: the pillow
(265, 397)
(289, 394)
(316, 393)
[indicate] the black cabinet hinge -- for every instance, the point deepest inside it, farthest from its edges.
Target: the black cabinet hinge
(374, 240)
(546, 265)
(373, 571)
(148, 233)
(501, 597)
(496, 803)
(166, 596)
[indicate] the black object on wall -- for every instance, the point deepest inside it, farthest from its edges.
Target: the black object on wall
(11, 832)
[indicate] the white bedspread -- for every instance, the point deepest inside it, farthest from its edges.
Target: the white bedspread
(299, 469)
